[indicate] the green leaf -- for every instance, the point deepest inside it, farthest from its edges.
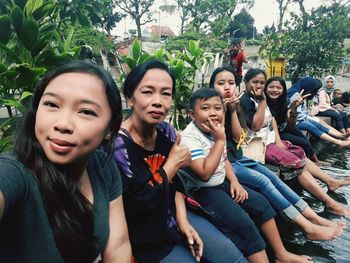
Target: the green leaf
(192, 47)
(68, 42)
(25, 95)
(159, 54)
(39, 46)
(31, 6)
(14, 103)
(144, 57)
(83, 20)
(20, 3)
(17, 18)
(130, 62)
(3, 68)
(29, 34)
(135, 50)
(10, 53)
(5, 29)
(45, 10)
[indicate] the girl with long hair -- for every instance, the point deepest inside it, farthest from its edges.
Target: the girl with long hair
(60, 197)
(258, 177)
(282, 153)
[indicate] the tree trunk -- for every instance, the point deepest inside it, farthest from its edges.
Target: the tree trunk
(138, 25)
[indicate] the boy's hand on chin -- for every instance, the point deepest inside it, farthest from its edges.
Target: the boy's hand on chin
(217, 130)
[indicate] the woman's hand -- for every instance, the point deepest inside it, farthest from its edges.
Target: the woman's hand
(194, 241)
(280, 145)
(259, 94)
(179, 155)
(231, 101)
(238, 193)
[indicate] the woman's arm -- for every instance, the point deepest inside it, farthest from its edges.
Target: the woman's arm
(323, 103)
(259, 116)
(293, 112)
(278, 140)
(236, 126)
(118, 248)
(194, 241)
(238, 193)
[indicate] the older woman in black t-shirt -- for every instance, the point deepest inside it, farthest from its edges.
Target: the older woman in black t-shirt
(148, 155)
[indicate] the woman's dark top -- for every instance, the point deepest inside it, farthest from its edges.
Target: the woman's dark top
(148, 196)
(25, 231)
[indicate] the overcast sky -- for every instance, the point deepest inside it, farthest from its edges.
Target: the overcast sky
(265, 12)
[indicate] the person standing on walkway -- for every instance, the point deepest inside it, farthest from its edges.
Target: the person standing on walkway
(236, 58)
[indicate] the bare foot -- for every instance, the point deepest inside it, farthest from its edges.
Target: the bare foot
(317, 232)
(343, 144)
(323, 163)
(335, 184)
(288, 257)
(338, 209)
(325, 222)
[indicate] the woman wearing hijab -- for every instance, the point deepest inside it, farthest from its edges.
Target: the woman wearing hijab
(311, 86)
(326, 109)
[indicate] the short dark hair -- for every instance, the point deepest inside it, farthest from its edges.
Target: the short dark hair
(136, 75)
(203, 94)
(235, 41)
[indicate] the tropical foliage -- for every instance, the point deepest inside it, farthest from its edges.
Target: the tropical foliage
(35, 36)
(183, 64)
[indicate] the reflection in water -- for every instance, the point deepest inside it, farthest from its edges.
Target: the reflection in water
(337, 250)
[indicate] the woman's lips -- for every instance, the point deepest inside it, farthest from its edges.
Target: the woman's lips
(61, 146)
(156, 114)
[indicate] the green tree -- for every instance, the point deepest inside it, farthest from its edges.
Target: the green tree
(137, 10)
(35, 36)
(317, 46)
(242, 25)
(282, 8)
(184, 64)
(208, 42)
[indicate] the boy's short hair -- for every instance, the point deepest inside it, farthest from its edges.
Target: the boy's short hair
(235, 41)
(203, 94)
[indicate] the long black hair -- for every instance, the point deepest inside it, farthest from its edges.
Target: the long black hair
(278, 107)
(240, 114)
(69, 212)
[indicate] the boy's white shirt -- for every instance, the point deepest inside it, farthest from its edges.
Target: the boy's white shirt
(199, 145)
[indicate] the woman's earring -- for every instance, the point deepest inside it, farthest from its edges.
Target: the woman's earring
(108, 136)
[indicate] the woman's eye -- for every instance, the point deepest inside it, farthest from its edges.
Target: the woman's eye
(88, 112)
(146, 92)
(168, 94)
(50, 104)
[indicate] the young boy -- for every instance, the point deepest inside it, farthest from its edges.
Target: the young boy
(229, 206)
(236, 58)
(338, 101)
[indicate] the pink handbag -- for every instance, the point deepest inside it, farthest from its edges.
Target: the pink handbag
(291, 161)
